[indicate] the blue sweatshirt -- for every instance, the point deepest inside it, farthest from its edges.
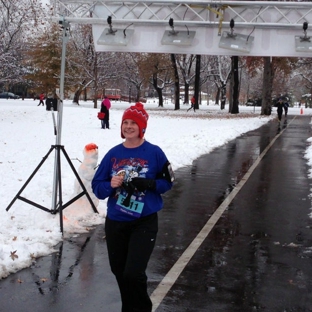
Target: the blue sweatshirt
(145, 161)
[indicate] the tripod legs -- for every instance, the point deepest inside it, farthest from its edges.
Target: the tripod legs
(27, 182)
(58, 207)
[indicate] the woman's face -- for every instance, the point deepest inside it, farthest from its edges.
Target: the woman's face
(130, 129)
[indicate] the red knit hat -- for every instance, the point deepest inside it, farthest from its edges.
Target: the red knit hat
(138, 114)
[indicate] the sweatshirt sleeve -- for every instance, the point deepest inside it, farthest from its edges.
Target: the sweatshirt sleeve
(101, 183)
(162, 184)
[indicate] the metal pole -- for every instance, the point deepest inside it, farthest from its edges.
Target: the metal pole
(60, 111)
(65, 25)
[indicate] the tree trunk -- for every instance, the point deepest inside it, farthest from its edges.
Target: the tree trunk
(218, 96)
(223, 95)
(197, 80)
(138, 93)
(186, 93)
(78, 92)
(176, 83)
(235, 90)
(160, 98)
(231, 88)
(266, 106)
(95, 73)
(76, 96)
(159, 91)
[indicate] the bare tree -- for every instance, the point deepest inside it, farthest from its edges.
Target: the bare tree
(220, 71)
(197, 81)
(19, 19)
(267, 86)
(133, 74)
(186, 64)
(158, 70)
(176, 83)
(88, 68)
(234, 100)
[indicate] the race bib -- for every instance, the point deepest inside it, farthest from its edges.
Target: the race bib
(135, 207)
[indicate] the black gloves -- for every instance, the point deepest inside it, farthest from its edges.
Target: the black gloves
(129, 187)
(142, 184)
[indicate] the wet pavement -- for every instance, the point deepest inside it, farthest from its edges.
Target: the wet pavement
(256, 258)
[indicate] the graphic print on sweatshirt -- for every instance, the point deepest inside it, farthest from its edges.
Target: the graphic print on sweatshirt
(129, 200)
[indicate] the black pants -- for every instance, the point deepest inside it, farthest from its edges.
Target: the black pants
(192, 106)
(105, 121)
(130, 245)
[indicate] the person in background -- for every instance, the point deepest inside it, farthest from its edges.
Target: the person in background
(132, 175)
(51, 102)
(41, 98)
(280, 106)
(285, 106)
(105, 107)
(192, 103)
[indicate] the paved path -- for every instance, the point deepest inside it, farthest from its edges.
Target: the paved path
(235, 235)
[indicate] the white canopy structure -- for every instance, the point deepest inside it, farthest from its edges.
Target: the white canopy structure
(258, 28)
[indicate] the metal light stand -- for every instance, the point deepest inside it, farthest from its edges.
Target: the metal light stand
(57, 202)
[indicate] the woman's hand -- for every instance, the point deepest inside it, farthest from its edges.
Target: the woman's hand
(116, 181)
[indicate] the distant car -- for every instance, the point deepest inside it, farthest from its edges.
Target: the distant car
(8, 95)
(254, 102)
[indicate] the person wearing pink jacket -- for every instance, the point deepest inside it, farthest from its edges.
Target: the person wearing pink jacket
(105, 106)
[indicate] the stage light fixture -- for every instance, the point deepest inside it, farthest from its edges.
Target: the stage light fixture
(178, 38)
(118, 37)
(236, 42)
(303, 43)
(109, 22)
(172, 32)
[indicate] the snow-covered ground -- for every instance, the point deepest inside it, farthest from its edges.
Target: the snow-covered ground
(27, 134)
